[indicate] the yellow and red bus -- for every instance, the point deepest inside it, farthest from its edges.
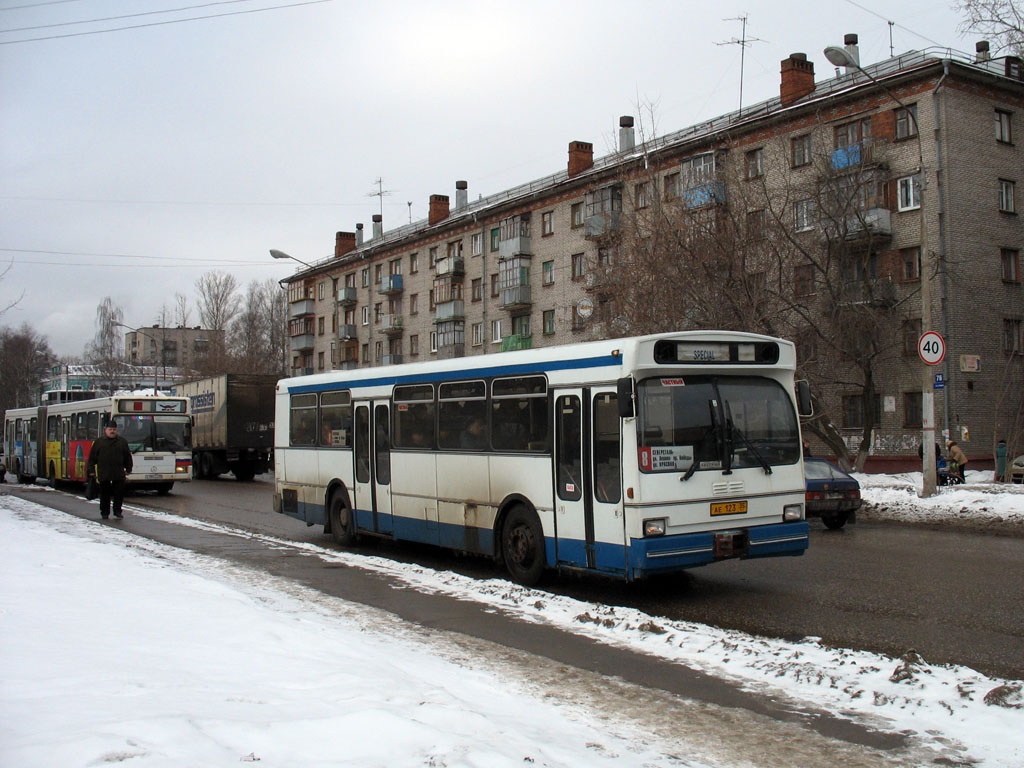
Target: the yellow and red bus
(158, 430)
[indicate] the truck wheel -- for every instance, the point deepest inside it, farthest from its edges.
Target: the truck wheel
(343, 527)
(522, 546)
(244, 474)
(206, 466)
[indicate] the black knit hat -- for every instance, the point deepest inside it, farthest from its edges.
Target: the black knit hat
(110, 423)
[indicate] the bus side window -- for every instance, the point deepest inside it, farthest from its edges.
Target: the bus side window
(568, 471)
(607, 485)
(362, 444)
(93, 430)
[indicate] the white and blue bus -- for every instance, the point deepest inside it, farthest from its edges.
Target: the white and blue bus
(628, 457)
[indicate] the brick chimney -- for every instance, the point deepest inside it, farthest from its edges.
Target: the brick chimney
(581, 157)
(438, 209)
(797, 78)
(343, 243)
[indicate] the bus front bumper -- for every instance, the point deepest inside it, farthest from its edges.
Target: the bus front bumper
(669, 553)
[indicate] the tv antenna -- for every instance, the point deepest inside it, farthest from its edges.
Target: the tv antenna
(380, 194)
(742, 42)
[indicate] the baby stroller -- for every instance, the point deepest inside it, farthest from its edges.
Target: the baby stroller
(955, 474)
(942, 473)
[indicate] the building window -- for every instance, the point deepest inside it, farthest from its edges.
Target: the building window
(378, 351)
(477, 289)
(1013, 336)
(909, 192)
(803, 280)
(547, 223)
(432, 256)
(577, 215)
(853, 133)
(320, 361)
(320, 326)
(395, 267)
(495, 331)
(912, 409)
(911, 259)
(1007, 203)
(911, 335)
(521, 325)
(378, 272)
(455, 249)
(906, 122)
(350, 280)
(433, 341)
(671, 182)
(1003, 127)
(366, 315)
(494, 285)
(854, 415)
(643, 194)
(804, 214)
(433, 303)
(476, 244)
(350, 316)
(364, 277)
(478, 334)
(579, 268)
(801, 150)
(1010, 258)
(547, 272)
(414, 345)
(414, 263)
(549, 322)
(366, 353)
(495, 238)
(320, 288)
(755, 224)
(414, 303)
(755, 163)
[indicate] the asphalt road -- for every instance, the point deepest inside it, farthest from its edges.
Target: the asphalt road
(954, 597)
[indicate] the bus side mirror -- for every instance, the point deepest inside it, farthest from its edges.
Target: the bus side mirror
(624, 392)
(803, 399)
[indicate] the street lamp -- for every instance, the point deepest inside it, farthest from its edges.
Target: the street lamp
(841, 57)
(282, 255)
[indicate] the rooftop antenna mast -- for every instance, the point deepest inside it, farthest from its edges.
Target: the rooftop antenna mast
(742, 42)
(380, 194)
(892, 51)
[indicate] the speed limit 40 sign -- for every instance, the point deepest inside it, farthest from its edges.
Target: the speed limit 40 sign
(931, 347)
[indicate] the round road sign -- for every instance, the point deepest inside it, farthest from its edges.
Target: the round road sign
(931, 347)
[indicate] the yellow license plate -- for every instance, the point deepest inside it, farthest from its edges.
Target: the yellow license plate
(729, 508)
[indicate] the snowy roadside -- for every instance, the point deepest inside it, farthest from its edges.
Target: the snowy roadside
(979, 505)
(953, 710)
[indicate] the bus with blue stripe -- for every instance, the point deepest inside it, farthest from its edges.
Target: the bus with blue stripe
(627, 457)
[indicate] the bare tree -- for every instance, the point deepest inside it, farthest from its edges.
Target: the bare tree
(258, 336)
(182, 310)
(742, 248)
(105, 351)
(219, 303)
(1000, 20)
(25, 360)
(3, 274)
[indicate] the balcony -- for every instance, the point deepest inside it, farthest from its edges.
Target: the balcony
(391, 360)
(874, 292)
(348, 365)
(346, 332)
(517, 245)
(301, 308)
(391, 324)
(601, 224)
(867, 152)
(449, 351)
(516, 341)
(301, 343)
(869, 224)
(450, 266)
(390, 285)
(346, 296)
(449, 310)
(708, 193)
(515, 297)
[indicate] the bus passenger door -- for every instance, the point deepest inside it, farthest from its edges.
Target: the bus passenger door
(64, 425)
(372, 456)
(605, 444)
(574, 513)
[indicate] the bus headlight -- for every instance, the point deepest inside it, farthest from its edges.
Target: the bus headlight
(654, 527)
(792, 512)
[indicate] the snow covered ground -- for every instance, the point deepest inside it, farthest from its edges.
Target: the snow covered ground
(118, 649)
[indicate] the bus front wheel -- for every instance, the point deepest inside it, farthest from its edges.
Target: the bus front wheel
(522, 546)
(342, 527)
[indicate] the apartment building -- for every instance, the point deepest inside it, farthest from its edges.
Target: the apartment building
(177, 347)
(924, 145)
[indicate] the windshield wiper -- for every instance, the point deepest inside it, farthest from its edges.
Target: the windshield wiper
(732, 427)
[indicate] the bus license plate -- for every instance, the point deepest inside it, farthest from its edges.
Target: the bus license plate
(153, 476)
(729, 508)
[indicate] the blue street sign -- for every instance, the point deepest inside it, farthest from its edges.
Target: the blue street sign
(940, 381)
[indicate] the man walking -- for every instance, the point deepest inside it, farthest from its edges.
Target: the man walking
(110, 460)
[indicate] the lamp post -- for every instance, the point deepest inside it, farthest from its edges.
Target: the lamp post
(274, 253)
(841, 57)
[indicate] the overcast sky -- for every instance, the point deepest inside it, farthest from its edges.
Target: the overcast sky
(133, 161)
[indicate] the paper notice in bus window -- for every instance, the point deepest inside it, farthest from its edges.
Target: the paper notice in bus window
(673, 383)
(666, 458)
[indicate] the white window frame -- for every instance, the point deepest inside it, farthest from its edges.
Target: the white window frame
(478, 334)
(908, 193)
(495, 331)
(1004, 126)
(803, 215)
(433, 342)
(1007, 196)
(366, 315)
(477, 244)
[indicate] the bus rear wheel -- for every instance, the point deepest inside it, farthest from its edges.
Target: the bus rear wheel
(522, 546)
(342, 526)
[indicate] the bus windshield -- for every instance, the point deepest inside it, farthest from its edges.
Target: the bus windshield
(155, 433)
(689, 423)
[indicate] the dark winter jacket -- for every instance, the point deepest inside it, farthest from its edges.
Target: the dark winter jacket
(110, 458)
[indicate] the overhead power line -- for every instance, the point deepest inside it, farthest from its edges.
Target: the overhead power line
(125, 16)
(164, 23)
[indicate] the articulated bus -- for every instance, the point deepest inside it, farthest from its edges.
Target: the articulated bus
(158, 430)
(627, 457)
